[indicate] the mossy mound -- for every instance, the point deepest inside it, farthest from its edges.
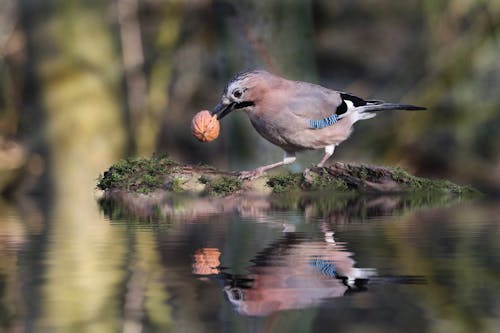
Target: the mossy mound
(141, 175)
(341, 177)
(146, 175)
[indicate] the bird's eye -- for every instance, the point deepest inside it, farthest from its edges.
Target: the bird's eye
(237, 93)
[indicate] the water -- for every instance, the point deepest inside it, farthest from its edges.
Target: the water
(375, 264)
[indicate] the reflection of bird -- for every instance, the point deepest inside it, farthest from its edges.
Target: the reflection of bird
(295, 272)
(297, 115)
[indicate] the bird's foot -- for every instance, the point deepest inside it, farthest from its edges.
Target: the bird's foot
(320, 165)
(250, 175)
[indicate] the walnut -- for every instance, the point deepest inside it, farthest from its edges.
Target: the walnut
(205, 127)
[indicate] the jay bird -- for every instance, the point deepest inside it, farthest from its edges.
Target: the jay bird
(295, 115)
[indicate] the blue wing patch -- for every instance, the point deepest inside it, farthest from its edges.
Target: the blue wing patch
(322, 123)
(325, 267)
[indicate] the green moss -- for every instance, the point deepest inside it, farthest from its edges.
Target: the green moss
(315, 181)
(220, 186)
(285, 182)
(399, 174)
(412, 183)
(142, 175)
(177, 185)
(360, 171)
(363, 173)
(324, 181)
(353, 178)
(204, 179)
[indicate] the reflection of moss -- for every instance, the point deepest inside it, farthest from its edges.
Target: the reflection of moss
(118, 212)
(317, 203)
(221, 186)
(336, 204)
(326, 203)
(113, 209)
(142, 175)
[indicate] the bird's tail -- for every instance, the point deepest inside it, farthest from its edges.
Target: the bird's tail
(376, 106)
(363, 112)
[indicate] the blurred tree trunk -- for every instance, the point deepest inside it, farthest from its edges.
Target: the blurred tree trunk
(273, 35)
(132, 66)
(75, 92)
(190, 71)
(146, 298)
(9, 53)
(160, 45)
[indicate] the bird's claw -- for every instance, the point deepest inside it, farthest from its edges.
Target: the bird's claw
(307, 175)
(306, 172)
(250, 175)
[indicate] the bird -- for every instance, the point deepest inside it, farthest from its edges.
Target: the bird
(296, 115)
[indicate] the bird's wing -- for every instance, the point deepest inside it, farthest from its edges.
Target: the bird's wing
(316, 103)
(310, 101)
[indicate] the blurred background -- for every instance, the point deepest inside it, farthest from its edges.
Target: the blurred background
(84, 83)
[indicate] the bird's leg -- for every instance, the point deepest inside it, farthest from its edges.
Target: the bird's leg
(248, 175)
(328, 152)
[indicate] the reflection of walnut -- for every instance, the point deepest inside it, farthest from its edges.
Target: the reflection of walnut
(206, 261)
(205, 127)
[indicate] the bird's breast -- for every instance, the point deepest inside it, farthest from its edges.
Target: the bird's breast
(277, 130)
(268, 128)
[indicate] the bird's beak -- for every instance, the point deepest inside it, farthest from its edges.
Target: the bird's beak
(222, 109)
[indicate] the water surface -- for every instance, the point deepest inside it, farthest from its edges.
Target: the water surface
(375, 264)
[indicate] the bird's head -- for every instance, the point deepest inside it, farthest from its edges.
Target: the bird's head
(241, 93)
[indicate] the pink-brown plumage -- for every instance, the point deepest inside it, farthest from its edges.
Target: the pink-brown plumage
(297, 115)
